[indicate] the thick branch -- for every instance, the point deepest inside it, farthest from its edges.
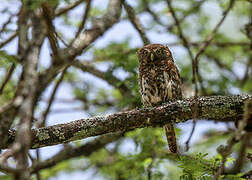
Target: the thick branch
(218, 108)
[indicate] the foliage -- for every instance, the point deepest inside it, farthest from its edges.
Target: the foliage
(224, 67)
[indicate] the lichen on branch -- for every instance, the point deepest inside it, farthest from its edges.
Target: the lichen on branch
(217, 108)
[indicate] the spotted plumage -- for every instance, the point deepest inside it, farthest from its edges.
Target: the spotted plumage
(159, 81)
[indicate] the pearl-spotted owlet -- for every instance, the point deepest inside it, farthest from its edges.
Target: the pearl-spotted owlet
(159, 82)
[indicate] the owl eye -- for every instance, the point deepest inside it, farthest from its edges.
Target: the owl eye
(145, 52)
(159, 51)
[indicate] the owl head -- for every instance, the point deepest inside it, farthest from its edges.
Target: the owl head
(154, 53)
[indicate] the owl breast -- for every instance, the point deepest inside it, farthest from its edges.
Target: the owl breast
(157, 87)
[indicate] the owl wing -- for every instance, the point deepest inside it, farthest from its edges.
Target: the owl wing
(140, 78)
(174, 84)
(173, 91)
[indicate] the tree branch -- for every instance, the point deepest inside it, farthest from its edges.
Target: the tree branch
(99, 26)
(136, 22)
(226, 150)
(211, 36)
(7, 78)
(218, 108)
(71, 152)
(185, 44)
(2, 44)
(112, 80)
(65, 9)
(84, 18)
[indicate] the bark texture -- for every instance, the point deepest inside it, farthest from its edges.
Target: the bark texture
(217, 108)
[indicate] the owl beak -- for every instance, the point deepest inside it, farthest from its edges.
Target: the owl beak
(152, 57)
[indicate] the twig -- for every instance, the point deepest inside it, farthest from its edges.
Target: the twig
(112, 80)
(136, 23)
(71, 152)
(195, 7)
(99, 26)
(68, 8)
(7, 169)
(51, 33)
(7, 23)
(246, 74)
(84, 18)
(81, 43)
(61, 39)
(42, 124)
(7, 77)
(190, 136)
(241, 156)
(221, 65)
(211, 35)
(2, 44)
(186, 45)
(225, 151)
(6, 155)
(155, 16)
(248, 29)
(153, 157)
(38, 176)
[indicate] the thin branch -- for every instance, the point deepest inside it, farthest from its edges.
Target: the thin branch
(225, 151)
(51, 33)
(218, 108)
(7, 77)
(195, 8)
(211, 35)
(7, 169)
(246, 74)
(2, 44)
(84, 18)
(190, 136)
(112, 80)
(3, 29)
(65, 9)
(186, 45)
(6, 155)
(248, 71)
(136, 22)
(42, 124)
(152, 13)
(221, 65)
(238, 164)
(71, 152)
(99, 26)
(81, 42)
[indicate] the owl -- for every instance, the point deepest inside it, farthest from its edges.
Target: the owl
(159, 82)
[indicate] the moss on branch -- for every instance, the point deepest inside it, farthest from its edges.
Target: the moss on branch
(217, 108)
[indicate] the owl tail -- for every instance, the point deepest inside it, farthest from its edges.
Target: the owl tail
(171, 138)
